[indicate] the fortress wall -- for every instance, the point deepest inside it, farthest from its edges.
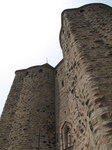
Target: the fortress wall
(33, 124)
(61, 102)
(73, 102)
(9, 111)
(86, 40)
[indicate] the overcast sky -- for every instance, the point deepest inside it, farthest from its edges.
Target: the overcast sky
(29, 33)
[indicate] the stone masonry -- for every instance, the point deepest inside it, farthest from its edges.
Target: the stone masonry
(28, 121)
(68, 107)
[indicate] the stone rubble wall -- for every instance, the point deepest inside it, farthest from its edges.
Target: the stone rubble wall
(61, 102)
(86, 41)
(33, 122)
(77, 93)
(9, 112)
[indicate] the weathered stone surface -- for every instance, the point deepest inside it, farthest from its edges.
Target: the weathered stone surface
(86, 40)
(33, 122)
(69, 106)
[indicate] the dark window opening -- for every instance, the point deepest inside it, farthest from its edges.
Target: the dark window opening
(41, 70)
(62, 83)
(26, 73)
(81, 10)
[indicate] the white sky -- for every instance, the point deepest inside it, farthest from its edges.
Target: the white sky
(29, 33)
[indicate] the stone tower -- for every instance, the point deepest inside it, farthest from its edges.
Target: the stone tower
(28, 120)
(68, 107)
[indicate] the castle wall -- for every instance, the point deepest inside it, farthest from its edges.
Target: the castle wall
(86, 40)
(9, 112)
(68, 107)
(33, 124)
(61, 102)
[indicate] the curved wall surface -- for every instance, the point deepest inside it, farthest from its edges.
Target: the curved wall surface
(86, 40)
